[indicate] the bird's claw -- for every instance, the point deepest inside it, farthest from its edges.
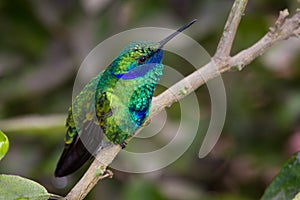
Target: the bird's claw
(123, 144)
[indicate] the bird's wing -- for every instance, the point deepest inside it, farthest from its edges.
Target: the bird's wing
(84, 135)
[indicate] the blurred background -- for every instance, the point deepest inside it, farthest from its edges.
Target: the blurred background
(42, 44)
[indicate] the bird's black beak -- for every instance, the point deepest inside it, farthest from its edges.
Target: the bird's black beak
(167, 39)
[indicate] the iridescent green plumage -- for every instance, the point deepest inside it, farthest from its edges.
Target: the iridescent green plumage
(130, 98)
(114, 104)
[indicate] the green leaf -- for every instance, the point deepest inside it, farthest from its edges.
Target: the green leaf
(4, 144)
(15, 187)
(286, 184)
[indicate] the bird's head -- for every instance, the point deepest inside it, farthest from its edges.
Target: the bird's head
(138, 58)
(140, 55)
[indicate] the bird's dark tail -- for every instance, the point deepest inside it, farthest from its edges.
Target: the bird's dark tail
(80, 150)
(72, 159)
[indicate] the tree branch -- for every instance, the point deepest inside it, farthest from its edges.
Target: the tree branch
(221, 62)
(232, 23)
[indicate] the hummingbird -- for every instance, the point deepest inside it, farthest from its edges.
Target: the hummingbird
(113, 104)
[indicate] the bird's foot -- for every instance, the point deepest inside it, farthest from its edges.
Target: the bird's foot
(123, 144)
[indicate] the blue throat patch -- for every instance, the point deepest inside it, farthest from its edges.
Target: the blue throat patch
(136, 72)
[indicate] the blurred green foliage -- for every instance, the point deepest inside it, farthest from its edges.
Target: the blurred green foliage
(43, 43)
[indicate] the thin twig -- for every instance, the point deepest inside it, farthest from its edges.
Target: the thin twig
(232, 23)
(283, 30)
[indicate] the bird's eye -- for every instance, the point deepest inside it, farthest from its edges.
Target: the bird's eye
(142, 59)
